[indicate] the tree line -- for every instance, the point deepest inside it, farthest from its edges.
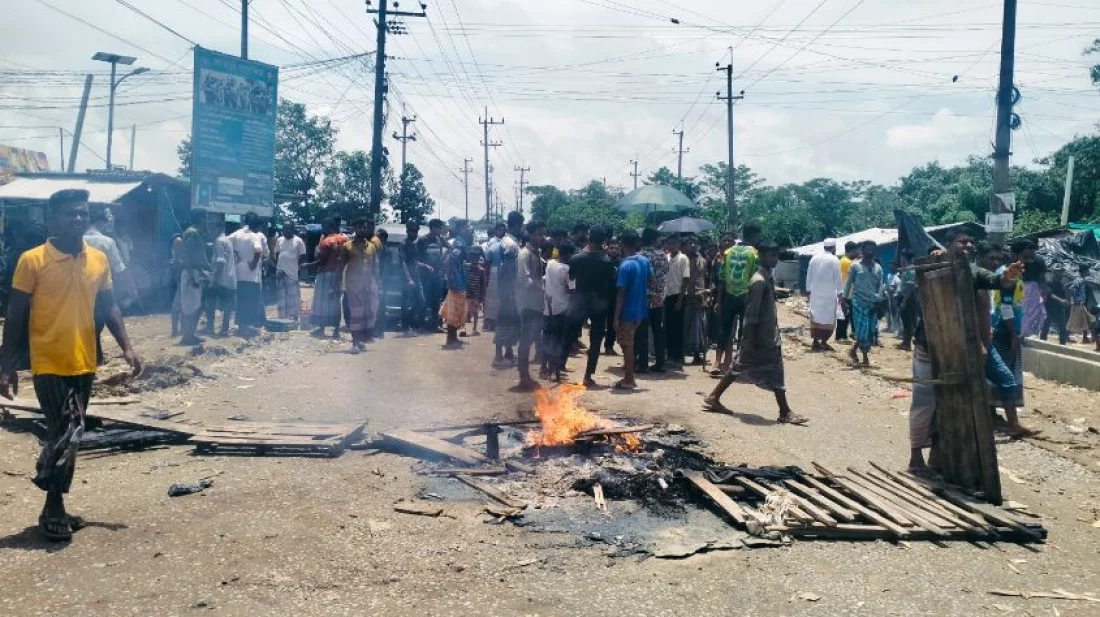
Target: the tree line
(314, 181)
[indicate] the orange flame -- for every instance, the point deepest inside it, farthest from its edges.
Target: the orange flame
(562, 418)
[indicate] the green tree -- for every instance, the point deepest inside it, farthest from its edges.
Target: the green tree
(713, 204)
(688, 186)
(1085, 197)
(183, 151)
(345, 191)
(829, 203)
(547, 200)
(413, 203)
(1094, 70)
(304, 146)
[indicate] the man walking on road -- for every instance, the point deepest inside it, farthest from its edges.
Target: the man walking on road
(54, 293)
(507, 324)
(222, 293)
(453, 312)
(194, 278)
(823, 287)
(412, 297)
(329, 261)
(863, 291)
(851, 255)
(431, 249)
(655, 319)
(760, 356)
(633, 283)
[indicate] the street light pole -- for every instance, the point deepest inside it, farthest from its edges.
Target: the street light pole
(114, 60)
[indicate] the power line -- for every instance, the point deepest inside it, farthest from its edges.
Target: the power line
(154, 20)
(101, 30)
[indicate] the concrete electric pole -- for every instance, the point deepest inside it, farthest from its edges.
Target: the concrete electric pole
(635, 172)
(486, 122)
(79, 128)
(466, 170)
(384, 27)
(1002, 202)
(680, 155)
(731, 204)
(522, 185)
(244, 29)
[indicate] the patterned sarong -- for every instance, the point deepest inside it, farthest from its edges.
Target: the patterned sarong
(326, 300)
(864, 324)
(453, 311)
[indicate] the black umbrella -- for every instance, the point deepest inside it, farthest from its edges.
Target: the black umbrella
(685, 225)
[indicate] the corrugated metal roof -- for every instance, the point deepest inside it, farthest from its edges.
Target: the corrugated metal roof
(41, 188)
(878, 234)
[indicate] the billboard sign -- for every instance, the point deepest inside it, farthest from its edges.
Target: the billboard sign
(20, 161)
(233, 134)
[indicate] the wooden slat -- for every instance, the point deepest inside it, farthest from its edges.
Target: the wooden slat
(727, 505)
(258, 443)
(925, 504)
(436, 446)
(966, 515)
(916, 506)
(991, 513)
(618, 430)
(125, 417)
(873, 495)
(812, 494)
(847, 531)
(491, 491)
(848, 502)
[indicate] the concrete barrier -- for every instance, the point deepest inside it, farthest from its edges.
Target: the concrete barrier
(1074, 365)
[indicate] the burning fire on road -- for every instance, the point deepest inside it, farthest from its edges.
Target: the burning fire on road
(563, 422)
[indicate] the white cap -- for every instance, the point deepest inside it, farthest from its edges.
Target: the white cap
(830, 242)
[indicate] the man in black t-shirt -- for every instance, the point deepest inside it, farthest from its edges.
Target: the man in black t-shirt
(594, 275)
(412, 299)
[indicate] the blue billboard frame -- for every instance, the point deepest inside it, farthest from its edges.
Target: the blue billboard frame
(233, 134)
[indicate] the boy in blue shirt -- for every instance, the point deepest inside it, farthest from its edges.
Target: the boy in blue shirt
(631, 302)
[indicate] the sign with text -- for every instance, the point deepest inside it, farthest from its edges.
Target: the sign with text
(18, 160)
(233, 134)
(998, 223)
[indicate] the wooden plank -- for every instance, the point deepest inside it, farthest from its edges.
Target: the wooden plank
(475, 425)
(915, 506)
(493, 492)
(848, 502)
(727, 505)
(990, 513)
(476, 471)
(811, 494)
(416, 440)
(764, 492)
(817, 513)
(256, 442)
(964, 443)
(124, 417)
(886, 502)
(847, 531)
(926, 505)
(927, 494)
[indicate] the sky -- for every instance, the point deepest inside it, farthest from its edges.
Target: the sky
(848, 89)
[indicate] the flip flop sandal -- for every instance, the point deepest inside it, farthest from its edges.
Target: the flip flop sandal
(793, 419)
(77, 522)
(55, 529)
(623, 387)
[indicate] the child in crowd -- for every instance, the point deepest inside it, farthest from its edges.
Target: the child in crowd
(476, 280)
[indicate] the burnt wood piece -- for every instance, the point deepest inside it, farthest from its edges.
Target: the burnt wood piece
(496, 494)
(729, 506)
(851, 504)
(427, 443)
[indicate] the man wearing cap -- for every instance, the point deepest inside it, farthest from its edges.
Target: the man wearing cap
(823, 287)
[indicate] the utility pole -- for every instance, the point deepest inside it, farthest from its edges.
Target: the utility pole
(1006, 98)
(75, 146)
(731, 204)
(61, 134)
(133, 137)
(244, 29)
(486, 122)
(635, 172)
(522, 185)
(466, 169)
(1068, 193)
(680, 155)
(383, 12)
(404, 138)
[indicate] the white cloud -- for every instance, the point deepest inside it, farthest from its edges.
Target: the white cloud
(944, 129)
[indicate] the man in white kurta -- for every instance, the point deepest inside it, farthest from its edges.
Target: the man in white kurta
(823, 285)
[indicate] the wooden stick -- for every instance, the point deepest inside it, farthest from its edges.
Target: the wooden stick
(871, 499)
(477, 471)
(847, 531)
(833, 507)
(723, 501)
(618, 430)
(876, 495)
(848, 502)
(477, 425)
(919, 501)
(989, 512)
(912, 504)
(970, 517)
(492, 492)
(817, 513)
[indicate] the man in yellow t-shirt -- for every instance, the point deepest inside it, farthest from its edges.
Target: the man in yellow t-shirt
(55, 290)
(851, 254)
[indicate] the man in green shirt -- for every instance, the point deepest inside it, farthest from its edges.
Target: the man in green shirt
(739, 264)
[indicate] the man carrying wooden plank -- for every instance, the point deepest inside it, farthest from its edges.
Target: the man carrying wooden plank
(56, 287)
(923, 404)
